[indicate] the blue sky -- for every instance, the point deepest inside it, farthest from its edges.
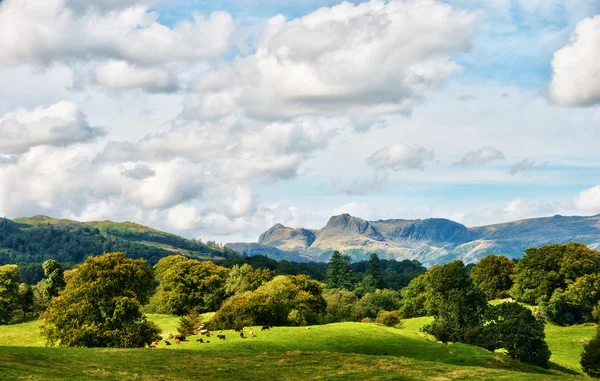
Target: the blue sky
(218, 119)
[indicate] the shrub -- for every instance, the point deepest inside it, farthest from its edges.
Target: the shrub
(590, 358)
(367, 320)
(389, 318)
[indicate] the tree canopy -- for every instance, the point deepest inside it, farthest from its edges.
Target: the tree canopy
(100, 305)
(493, 275)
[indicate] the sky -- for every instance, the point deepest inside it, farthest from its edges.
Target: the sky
(216, 120)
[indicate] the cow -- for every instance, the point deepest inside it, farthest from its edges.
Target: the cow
(151, 346)
(242, 335)
(166, 342)
(221, 337)
(203, 331)
(266, 327)
(251, 333)
(200, 340)
(180, 338)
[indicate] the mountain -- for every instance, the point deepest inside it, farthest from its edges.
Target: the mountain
(431, 241)
(35, 239)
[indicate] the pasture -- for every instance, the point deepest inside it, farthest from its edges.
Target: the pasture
(344, 351)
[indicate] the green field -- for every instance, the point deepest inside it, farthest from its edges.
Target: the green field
(345, 351)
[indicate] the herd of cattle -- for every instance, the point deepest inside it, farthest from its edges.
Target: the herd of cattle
(205, 332)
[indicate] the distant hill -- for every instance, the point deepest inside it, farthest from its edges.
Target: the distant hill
(35, 239)
(431, 241)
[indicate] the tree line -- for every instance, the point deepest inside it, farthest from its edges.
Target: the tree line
(80, 310)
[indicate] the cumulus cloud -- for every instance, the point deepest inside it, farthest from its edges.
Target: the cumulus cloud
(588, 200)
(121, 75)
(483, 156)
(61, 124)
(361, 188)
(576, 67)
(42, 32)
(400, 156)
(369, 60)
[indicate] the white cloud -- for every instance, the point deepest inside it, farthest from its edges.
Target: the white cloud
(400, 156)
(42, 32)
(483, 156)
(122, 75)
(361, 61)
(588, 200)
(61, 124)
(576, 67)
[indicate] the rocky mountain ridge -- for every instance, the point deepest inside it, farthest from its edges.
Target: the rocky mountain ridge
(431, 241)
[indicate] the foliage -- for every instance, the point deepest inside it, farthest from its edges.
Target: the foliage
(100, 305)
(190, 323)
(339, 271)
(9, 292)
(389, 318)
(455, 302)
(53, 282)
(188, 284)
(395, 274)
(493, 276)
(340, 307)
(590, 358)
(512, 327)
(273, 303)
(25, 301)
(246, 278)
(374, 271)
(543, 270)
(413, 298)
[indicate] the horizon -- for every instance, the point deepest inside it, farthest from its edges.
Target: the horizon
(218, 120)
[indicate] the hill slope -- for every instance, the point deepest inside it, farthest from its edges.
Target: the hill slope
(353, 351)
(35, 239)
(430, 241)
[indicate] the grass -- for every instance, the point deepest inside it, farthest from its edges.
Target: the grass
(344, 351)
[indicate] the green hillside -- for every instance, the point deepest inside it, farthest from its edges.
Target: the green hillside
(345, 351)
(36, 239)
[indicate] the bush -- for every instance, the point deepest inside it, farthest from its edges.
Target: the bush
(274, 303)
(367, 320)
(389, 318)
(590, 359)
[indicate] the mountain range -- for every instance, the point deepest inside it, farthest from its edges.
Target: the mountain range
(430, 241)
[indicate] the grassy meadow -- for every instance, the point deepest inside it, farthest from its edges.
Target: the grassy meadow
(344, 351)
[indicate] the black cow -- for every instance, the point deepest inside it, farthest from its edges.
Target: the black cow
(221, 337)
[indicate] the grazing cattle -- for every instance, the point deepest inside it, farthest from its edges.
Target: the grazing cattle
(200, 340)
(221, 337)
(220, 331)
(266, 327)
(166, 342)
(207, 342)
(242, 335)
(180, 337)
(251, 333)
(151, 346)
(203, 331)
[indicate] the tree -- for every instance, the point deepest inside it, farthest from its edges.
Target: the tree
(25, 299)
(53, 282)
(543, 270)
(512, 327)
(246, 278)
(493, 276)
(339, 271)
(590, 358)
(188, 284)
(100, 305)
(455, 302)
(9, 292)
(284, 300)
(189, 323)
(374, 270)
(413, 298)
